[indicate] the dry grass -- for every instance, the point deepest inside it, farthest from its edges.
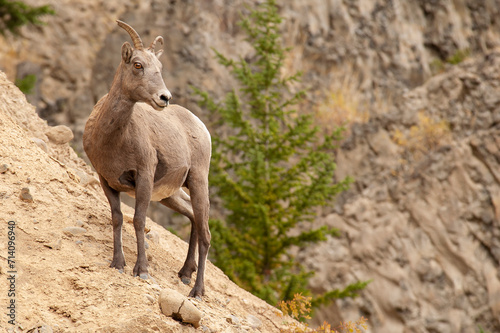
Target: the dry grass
(345, 102)
(341, 109)
(425, 137)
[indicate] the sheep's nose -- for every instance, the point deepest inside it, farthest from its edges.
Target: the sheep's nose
(167, 96)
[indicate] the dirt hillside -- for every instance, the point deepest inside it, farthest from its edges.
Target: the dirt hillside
(63, 281)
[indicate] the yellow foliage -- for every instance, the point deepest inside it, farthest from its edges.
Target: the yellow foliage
(348, 326)
(428, 135)
(348, 100)
(300, 308)
(345, 102)
(340, 109)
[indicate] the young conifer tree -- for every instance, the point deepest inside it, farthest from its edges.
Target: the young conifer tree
(271, 172)
(15, 14)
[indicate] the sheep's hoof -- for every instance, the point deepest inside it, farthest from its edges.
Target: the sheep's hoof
(144, 276)
(121, 271)
(186, 280)
(197, 292)
(118, 263)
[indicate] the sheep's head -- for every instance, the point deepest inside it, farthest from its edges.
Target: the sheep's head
(142, 78)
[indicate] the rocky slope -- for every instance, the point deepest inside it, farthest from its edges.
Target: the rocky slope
(422, 223)
(63, 247)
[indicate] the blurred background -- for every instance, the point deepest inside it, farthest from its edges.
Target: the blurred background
(416, 85)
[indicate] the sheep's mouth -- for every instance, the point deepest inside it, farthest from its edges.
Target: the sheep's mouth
(159, 106)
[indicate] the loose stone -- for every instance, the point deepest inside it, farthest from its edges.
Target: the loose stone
(60, 134)
(175, 305)
(74, 231)
(26, 195)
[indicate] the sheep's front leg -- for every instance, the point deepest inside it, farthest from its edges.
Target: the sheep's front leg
(144, 186)
(117, 218)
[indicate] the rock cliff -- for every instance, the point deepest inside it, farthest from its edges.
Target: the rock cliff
(424, 227)
(389, 45)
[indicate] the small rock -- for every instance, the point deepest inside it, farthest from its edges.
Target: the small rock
(149, 298)
(175, 305)
(185, 29)
(233, 320)
(146, 245)
(45, 329)
(79, 223)
(40, 143)
(26, 195)
(73, 176)
(54, 245)
(41, 329)
(78, 242)
(153, 236)
(254, 322)
(155, 286)
(85, 179)
(128, 218)
(4, 168)
(155, 289)
(73, 231)
(60, 134)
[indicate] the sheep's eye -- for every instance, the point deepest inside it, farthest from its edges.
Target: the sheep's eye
(138, 65)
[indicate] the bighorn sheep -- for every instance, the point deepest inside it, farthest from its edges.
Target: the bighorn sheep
(151, 155)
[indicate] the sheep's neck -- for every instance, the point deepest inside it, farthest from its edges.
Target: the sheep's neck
(117, 109)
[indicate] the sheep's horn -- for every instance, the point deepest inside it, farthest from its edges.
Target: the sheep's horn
(133, 34)
(153, 44)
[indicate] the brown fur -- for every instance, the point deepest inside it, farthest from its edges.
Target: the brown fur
(140, 146)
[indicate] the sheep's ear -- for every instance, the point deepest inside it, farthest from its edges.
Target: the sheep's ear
(127, 51)
(159, 53)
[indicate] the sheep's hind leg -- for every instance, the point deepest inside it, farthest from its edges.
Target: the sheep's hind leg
(117, 218)
(181, 203)
(198, 185)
